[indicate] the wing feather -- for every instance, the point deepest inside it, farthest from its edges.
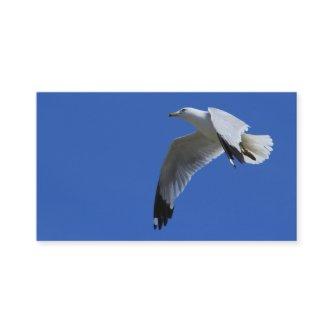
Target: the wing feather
(229, 131)
(228, 126)
(185, 157)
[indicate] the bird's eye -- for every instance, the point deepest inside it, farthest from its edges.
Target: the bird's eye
(182, 110)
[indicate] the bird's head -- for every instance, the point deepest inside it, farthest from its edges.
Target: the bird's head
(182, 113)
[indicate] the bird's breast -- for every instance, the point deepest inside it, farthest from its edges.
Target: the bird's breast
(206, 127)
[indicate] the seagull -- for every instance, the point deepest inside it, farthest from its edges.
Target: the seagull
(217, 132)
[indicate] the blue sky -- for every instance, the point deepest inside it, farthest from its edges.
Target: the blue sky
(99, 157)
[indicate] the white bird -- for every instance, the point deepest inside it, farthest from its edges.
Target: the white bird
(217, 132)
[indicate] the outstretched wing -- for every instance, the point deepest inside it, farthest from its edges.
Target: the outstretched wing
(229, 130)
(186, 156)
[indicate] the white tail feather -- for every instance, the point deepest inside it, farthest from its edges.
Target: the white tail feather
(260, 146)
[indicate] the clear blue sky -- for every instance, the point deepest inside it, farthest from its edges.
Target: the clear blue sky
(99, 157)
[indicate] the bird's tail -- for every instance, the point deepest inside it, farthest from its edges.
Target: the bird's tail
(256, 148)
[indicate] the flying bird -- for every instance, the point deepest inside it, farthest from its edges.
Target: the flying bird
(217, 132)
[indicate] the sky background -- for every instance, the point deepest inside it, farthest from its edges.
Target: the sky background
(99, 157)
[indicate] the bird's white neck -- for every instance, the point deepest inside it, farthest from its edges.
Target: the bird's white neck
(201, 120)
(195, 116)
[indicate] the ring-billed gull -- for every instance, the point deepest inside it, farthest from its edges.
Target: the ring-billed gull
(217, 132)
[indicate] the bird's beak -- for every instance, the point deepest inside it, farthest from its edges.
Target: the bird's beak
(173, 114)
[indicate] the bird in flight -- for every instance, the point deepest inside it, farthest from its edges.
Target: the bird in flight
(217, 132)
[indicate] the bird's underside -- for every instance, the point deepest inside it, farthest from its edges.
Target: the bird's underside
(192, 152)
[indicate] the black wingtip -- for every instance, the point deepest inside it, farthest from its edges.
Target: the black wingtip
(231, 151)
(162, 211)
(232, 162)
